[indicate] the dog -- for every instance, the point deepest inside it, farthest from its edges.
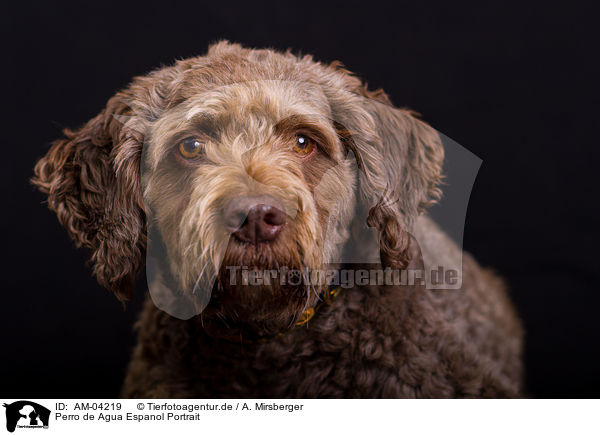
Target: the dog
(247, 160)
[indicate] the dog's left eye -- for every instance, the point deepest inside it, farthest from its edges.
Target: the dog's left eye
(190, 148)
(304, 145)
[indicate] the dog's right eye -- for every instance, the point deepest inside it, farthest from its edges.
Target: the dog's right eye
(190, 148)
(304, 145)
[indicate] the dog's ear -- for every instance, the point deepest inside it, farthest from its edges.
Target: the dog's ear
(411, 162)
(399, 158)
(92, 179)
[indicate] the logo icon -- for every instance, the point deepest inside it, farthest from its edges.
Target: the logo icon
(26, 414)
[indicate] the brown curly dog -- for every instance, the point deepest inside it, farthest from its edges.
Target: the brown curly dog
(244, 161)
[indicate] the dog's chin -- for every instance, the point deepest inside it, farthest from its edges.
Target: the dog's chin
(259, 293)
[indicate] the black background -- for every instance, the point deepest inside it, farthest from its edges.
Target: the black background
(513, 83)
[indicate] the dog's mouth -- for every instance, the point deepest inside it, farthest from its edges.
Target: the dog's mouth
(259, 290)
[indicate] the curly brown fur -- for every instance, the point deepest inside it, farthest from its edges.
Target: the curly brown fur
(408, 344)
(246, 107)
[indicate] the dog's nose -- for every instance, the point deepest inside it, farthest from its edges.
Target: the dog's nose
(254, 220)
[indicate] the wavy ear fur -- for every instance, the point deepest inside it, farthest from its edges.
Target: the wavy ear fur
(399, 157)
(92, 181)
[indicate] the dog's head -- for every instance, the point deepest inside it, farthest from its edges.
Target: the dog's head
(238, 161)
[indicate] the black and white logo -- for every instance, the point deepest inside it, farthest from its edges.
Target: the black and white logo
(25, 414)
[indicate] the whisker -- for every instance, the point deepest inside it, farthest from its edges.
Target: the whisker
(198, 280)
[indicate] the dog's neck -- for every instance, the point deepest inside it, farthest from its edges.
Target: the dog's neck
(326, 299)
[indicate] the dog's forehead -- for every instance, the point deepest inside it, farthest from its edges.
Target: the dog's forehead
(272, 98)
